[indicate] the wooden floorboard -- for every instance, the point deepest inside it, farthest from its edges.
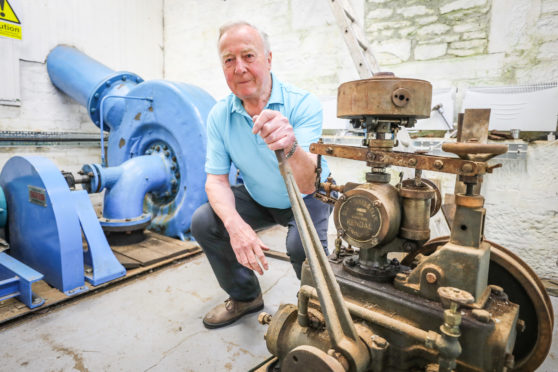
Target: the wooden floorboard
(155, 252)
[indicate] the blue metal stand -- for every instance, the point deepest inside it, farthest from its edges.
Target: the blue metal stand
(16, 279)
(45, 224)
(103, 266)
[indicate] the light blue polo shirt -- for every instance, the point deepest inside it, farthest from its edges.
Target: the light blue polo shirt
(230, 139)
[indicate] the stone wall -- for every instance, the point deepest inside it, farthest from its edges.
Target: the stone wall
(466, 42)
(421, 30)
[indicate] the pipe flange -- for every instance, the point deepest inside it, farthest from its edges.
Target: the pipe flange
(104, 88)
(125, 224)
(167, 153)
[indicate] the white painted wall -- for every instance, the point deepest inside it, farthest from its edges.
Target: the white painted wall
(306, 43)
(123, 35)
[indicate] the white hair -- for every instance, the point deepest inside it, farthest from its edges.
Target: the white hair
(229, 26)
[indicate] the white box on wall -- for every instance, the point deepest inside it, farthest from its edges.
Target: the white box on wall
(527, 108)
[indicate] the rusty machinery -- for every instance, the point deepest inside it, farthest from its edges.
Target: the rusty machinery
(453, 303)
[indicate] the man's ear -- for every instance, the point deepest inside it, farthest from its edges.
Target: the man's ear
(269, 57)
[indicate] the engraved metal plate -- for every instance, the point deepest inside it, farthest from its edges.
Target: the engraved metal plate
(37, 195)
(359, 218)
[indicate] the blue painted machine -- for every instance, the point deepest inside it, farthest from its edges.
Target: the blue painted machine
(160, 124)
(153, 176)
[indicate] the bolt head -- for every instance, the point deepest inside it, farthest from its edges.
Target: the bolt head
(379, 341)
(431, 278)
(438, 164)
(467, 168)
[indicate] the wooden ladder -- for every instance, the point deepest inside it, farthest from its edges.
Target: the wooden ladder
(354, 37)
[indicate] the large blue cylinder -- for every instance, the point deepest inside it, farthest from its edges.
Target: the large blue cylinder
(88, 81)
(74, 73)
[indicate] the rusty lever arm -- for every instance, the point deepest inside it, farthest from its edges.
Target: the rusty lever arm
(338, 321)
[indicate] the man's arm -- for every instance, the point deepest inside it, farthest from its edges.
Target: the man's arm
(245, 242)
(278, 133)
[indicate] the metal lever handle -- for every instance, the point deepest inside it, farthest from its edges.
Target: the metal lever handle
(338, 321)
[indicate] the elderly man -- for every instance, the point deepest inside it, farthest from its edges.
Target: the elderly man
(260, 116)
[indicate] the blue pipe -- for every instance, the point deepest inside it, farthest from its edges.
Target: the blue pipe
(88, 81)
(127, 184)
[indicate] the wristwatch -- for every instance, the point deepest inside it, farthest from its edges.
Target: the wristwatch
(292, 150)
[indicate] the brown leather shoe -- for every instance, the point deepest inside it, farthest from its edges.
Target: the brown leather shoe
(230, 311)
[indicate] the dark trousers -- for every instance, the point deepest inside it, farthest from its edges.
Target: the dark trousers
(238, 281)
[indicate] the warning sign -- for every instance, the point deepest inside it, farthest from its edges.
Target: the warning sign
(10, 25)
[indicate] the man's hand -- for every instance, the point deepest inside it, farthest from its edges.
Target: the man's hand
(247, 246)
(275, 129)
(244, 241)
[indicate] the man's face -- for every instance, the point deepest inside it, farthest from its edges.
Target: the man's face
(245, 63)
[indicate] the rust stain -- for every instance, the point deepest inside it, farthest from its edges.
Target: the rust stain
(198, 296)
(138, 116)
(121, 143)
(78, 361)
(228, 366)
(230, 345)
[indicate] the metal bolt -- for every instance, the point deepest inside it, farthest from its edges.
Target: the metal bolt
(124, 78)
(377, 203)
(438, 164)
(497, 290)
(370, 156)
(36, 300)
(158, 148)
(467, 168)
(165, 147)
(264, 318)
(173, 167)
(431, 278)
(174, 158)
(329, 150)
(167, 154)
(481, 315)
(342, 198)
(379, 341)
(177, 175)
(412, 162)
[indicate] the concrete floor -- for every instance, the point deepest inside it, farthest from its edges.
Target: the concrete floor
(153, 323)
